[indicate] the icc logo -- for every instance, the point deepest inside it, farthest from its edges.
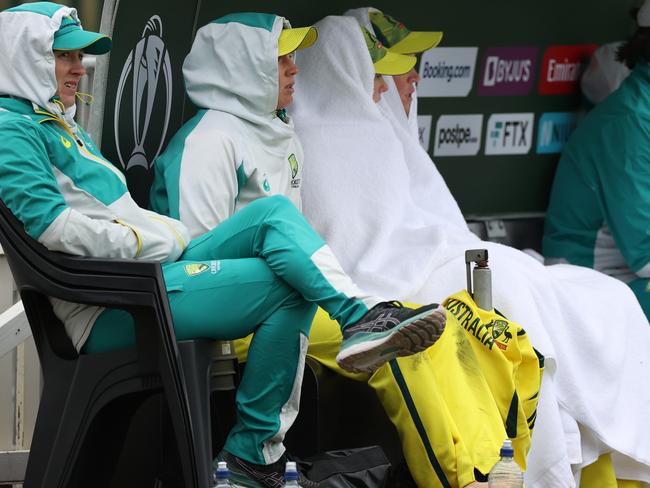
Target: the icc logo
(146, 77)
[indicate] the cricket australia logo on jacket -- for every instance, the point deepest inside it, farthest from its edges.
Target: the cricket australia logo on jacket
(488, 328)
(293, 162)
(500, 332)
(265, 171)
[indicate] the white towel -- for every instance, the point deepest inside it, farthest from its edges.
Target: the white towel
(358, 193)
(427, 186)
(370, 202)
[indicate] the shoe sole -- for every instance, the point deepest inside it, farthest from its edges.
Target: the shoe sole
(409, 337)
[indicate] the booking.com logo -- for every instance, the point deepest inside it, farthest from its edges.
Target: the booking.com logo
(446, 72)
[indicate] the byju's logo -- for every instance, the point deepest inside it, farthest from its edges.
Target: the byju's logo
(554, 131)
(146, 80)
(458, 135)
(561, 68)
(447, 72)
(509, 134)
(508, 71)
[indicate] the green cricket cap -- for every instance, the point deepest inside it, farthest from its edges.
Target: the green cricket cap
(71, 36)
(398, 39)
(384, 61)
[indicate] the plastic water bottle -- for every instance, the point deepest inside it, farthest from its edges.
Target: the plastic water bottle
(291, 474)
(222, 475)
(506, 472)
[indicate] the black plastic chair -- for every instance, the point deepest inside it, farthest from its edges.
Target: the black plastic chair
(78, 387)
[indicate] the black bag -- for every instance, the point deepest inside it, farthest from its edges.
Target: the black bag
(364, 467)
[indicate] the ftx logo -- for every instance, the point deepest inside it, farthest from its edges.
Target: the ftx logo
(509, 134)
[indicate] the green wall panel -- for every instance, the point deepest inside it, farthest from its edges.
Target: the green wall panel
(483, 185)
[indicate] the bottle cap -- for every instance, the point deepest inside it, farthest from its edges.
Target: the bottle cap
(506, 449)
(222, 471)
(290, 471)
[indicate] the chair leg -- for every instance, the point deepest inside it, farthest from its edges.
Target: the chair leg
(66, 413)
(58, 434)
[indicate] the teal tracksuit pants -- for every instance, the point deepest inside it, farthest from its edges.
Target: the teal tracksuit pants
(261, 271)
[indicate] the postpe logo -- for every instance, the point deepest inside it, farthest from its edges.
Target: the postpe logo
(147, 77)
(458, 135)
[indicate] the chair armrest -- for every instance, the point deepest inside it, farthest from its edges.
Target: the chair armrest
(63, 275)
(135, 286)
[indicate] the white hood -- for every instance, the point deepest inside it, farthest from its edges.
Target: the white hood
(390, 99)
(233, 68)
(362, 15)
(26, 57)
(427, 186)
(357, 186)
(604, 74)
(391, 105)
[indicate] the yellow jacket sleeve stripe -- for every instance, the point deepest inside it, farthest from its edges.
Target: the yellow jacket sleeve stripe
(399, 377)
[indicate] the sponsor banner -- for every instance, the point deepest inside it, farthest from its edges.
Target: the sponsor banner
(508, 71)
(424, 130)
(458, 135)
(553, 131)
(509, 133)
(562, 67)
(447, 72)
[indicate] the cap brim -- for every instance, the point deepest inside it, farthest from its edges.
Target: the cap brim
(90, 42)
(294, 39)
(417, 42)
(394, 64)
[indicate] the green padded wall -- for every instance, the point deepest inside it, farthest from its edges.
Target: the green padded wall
(483, 184)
